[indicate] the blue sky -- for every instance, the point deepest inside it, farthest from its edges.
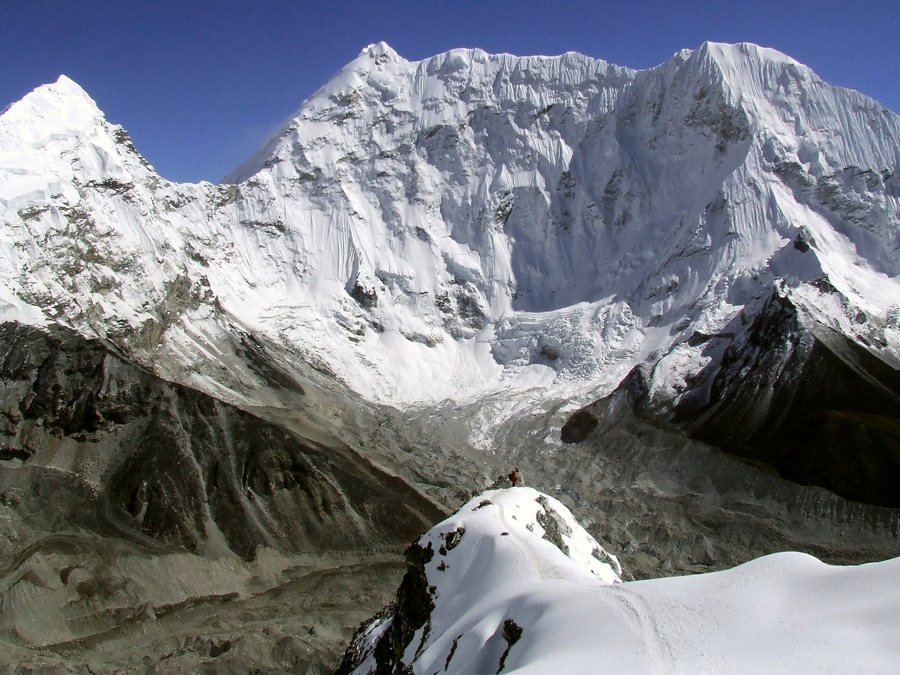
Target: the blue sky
(199, 84)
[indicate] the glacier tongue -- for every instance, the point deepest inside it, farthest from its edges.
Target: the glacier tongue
(467, 224)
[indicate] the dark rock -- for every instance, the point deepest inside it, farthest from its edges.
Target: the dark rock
(8, 452)
(512, 633)
(579, 427)
(262, 363)
(184, 458)
(410, 611)
(549, 353)
(808, 402)
(554, 526)
(365, 297)
(469, 310)
(453, 538)
(452, 651)
(786, 394)
(413, 608)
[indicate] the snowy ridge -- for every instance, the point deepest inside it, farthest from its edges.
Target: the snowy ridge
(505, 600)
(437, 91)
(469, 223)
(478, 570)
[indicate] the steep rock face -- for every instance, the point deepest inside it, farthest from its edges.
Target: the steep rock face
(783, 390)
(817, 407)
(157, 462)
(145, 524)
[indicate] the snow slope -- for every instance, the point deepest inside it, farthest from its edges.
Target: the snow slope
(468, 224)
(507, 600)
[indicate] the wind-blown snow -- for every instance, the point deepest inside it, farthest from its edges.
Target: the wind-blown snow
(434, 229)
(786, 612)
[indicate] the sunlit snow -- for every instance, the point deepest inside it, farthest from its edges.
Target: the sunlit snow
(425, 229)
(785, 613)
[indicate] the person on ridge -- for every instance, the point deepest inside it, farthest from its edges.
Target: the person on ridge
(514, 476)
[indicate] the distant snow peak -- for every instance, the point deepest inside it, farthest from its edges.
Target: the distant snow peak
(725, 53)
(447, 217)
(52, 109)
(64, 87)
(380, 52)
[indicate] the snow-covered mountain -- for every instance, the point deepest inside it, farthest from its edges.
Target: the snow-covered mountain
(471, 222)
(476, 226)
(512, 583)
(435, 271)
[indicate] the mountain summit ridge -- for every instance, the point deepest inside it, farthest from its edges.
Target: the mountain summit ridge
(486, 591)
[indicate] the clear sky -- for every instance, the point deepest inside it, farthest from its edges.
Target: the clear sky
(200, 83)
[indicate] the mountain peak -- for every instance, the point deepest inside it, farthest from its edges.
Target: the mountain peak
(380, 52)
(745, 64)
(724, 52)
(66, 84)
(51, 109)
(437, 200)
(65, 89)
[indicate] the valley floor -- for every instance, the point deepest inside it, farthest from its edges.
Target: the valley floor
(279, 614)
